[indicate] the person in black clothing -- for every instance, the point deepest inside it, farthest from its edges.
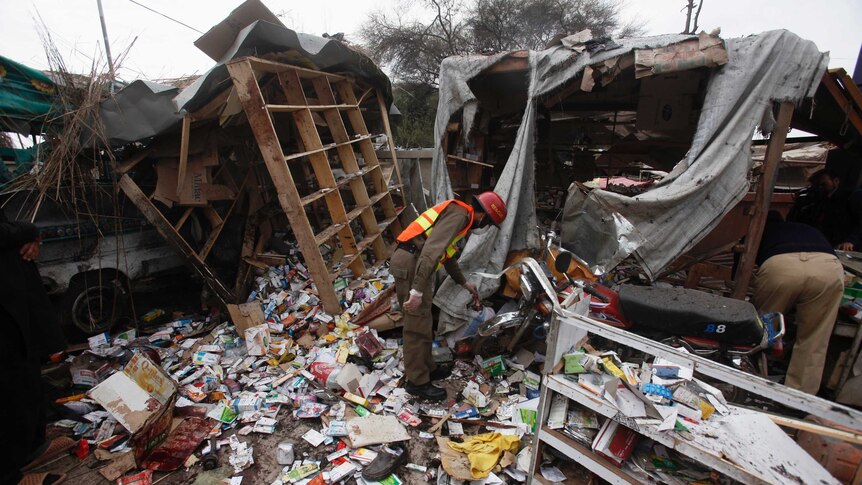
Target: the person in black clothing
(799, 271)
(834, 209)
(29, 332)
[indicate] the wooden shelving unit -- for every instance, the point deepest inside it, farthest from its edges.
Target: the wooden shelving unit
(318, 104)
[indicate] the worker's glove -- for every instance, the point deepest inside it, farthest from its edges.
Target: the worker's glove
(413, 302)
(845, 246)
(477, 300)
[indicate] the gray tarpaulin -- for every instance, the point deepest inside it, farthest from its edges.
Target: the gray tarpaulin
(662, 223)
(676, 213)
(137, 113)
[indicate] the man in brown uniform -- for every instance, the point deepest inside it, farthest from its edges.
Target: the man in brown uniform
(423, 247)
(798, 271)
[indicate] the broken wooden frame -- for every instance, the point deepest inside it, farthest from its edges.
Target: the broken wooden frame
(297, 118)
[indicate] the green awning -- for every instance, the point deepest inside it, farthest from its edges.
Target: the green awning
(26, 94)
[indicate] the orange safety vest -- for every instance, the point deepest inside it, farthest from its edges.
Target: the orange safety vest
(425, 223)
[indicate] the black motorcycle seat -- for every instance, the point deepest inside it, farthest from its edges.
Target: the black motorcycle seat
(684, 312)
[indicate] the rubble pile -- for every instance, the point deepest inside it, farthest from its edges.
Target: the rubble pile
(230, 386)
(319, 398)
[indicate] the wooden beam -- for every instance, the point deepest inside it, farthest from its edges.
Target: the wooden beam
(183, 218)
(817, 429)
(215, 231)
(384, 113)
(249, 94)
(132, 162)
(290, 108)
(184, 152)
(762, 199)
(164, 227)
(213, 108)
(467, 160)
(263, 65)
(843, 102)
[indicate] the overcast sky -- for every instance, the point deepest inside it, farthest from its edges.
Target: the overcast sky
(163, 49)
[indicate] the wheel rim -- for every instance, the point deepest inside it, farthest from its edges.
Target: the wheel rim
(95, 309)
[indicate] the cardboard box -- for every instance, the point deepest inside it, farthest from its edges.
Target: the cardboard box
(615, 442)
(141, 398)
(245, 316)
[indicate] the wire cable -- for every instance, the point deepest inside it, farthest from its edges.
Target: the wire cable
(166, 16)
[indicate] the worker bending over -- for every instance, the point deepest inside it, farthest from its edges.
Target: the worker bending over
(428, 243)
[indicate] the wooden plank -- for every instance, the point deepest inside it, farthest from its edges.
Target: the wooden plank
(166, 230)
(327, 234)
(817, 429)
(215, 231)
(183, 218)
(254, 105)
(263, 65)
(184, 153)
(338, 185)
(291, 84)
(132, 162)
(390, 140)
(762, 198)
(326, 147)
(468, 160)
(843, 102)
(290, 108)
(213, 108)
(851, 87)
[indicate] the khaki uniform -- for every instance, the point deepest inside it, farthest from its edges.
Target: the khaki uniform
(416, 271)
(812, 282)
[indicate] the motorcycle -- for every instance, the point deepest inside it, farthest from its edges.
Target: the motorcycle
(726, 330)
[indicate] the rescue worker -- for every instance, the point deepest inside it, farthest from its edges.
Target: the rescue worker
(423, 247)
(799, 271)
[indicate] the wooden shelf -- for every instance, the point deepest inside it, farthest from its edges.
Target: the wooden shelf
(263, 65)
(585, 457)
(364, 244)
(341, 183)
(290, 108)
(327, 234)
(326, 147)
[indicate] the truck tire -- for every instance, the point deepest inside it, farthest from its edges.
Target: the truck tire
(95, 301)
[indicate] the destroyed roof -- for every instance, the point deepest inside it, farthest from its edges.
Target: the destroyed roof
(744, 78)
(145, 109)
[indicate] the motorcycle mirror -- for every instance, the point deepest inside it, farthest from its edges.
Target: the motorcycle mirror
(562, 262)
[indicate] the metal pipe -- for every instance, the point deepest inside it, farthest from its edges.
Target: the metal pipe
(107, 45)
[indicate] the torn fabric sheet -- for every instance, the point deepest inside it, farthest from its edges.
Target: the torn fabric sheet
(454, 94)
(486, 249)
(664, 222)
(685, 206)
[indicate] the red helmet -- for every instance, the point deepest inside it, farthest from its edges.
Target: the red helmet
(493, 205)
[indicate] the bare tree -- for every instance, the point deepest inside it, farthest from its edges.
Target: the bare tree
(691, 28)
(413, 49)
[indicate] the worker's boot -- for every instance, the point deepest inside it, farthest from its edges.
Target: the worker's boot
(426, 391)
(440, 372)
